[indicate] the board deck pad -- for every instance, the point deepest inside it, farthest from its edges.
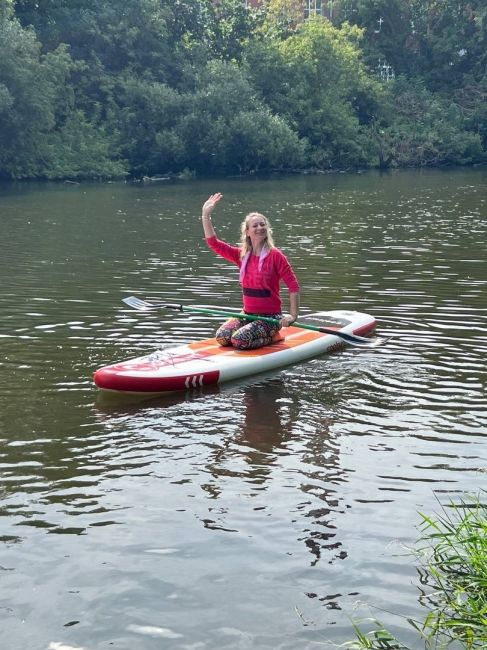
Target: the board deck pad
(322, 320)
(205, 362)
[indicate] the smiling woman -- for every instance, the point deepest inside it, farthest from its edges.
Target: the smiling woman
(262, 268)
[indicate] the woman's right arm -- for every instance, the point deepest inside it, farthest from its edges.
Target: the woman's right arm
(208, 207)
(230, 253)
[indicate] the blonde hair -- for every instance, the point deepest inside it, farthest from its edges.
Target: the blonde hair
(245, 243)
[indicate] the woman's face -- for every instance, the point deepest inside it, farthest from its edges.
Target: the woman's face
(257, 230)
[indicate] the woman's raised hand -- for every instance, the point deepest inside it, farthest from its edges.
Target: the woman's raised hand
(210, 203)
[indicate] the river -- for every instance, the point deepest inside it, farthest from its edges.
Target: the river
(267, 513)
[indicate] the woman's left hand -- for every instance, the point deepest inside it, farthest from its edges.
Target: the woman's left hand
(287, 320)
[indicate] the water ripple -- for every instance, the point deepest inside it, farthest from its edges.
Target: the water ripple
(297, 481)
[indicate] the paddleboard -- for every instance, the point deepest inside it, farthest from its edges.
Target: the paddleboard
(202, 363)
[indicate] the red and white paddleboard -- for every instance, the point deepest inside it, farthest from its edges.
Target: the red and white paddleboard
(203, 363)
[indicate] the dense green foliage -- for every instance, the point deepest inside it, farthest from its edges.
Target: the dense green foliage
(100, 89)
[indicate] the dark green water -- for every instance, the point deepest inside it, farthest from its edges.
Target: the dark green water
(259, 514)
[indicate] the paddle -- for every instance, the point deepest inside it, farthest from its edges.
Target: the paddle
(353, 339)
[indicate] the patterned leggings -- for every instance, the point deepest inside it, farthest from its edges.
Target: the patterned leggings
(247, 335)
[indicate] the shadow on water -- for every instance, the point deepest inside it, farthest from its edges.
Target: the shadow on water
(113, 404)
(271, 435)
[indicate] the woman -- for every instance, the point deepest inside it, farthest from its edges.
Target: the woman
(262, 267)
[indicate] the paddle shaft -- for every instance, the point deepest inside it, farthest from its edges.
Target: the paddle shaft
(227, 314)
(353, 339)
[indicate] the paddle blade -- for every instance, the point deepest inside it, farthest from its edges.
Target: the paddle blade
(144, 305)
(368, 343)
(137, 303)
(354, 339)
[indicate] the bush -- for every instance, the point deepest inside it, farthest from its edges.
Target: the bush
(453, 548)
(427, 130)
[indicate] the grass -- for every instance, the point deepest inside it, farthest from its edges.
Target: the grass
(453, 574)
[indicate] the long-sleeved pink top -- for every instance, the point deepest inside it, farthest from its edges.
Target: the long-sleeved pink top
(260, 276)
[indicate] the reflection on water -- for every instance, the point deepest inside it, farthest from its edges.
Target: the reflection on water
(254, 514)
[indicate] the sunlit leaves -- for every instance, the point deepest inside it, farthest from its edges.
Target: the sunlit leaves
(319, 84)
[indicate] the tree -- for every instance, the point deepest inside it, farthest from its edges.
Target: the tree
(444, 42)
(42, 132)
(230, 26)
(423, 129)
(316, 81)
(216, 126)
(149, 86)
(453, 41)
(31, 89)
(282, 18)
(148, 115)
(105, 34)
(389, 33)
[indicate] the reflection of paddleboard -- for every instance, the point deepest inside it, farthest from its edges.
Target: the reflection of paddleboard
(205, 362)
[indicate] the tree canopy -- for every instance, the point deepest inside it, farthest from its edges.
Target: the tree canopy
(96, 89)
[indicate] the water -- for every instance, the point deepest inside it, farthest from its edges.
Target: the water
(262, 514)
